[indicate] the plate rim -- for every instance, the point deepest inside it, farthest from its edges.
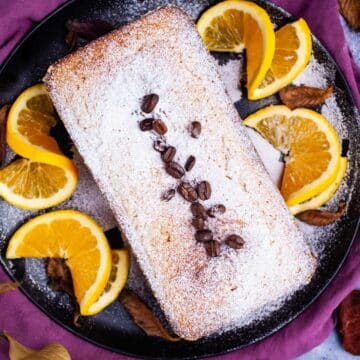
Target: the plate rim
(84, 337)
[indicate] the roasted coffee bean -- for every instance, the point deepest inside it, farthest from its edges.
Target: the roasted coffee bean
(159, 145)
(204, 235)
(175, 170)
(190, 162)
(235, 241)
(168, 154)
(168, 195)
(160, 127)
(198, 210)
(187, 192)
(149, 103)
(216, 210)
(146, 124)
(212, 248)
(198, 223)
(195, 129)
(204, 190)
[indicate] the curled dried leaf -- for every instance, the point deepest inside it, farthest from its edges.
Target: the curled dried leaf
(70, 39)
(90, 29)
(144, 317)
(297, 96)
(349, 316)
(4, 110)
(59, 275)
(18, 351)
(322, 217)
(5, 287)
(350, 10)
(77, 316)
(60, 280)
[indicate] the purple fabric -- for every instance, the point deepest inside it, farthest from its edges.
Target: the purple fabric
(30, 326)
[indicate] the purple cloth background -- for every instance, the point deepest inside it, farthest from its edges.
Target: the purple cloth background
(22, 319)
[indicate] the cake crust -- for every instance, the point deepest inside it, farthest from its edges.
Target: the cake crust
(97, 92)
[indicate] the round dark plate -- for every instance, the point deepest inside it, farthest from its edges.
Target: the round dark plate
(113, 328)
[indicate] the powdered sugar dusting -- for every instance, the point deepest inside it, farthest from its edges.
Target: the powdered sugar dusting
(230, 75)
(135, 9)
(332, 112)
(270, 156)
(119, 70)
(90, 200)
(315, 74)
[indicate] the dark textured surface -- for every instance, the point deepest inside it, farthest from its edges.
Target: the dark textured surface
(113, 328)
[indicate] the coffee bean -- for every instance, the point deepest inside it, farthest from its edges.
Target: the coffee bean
(146, 124)
(204, 235)
(160, 127)
(195, 129)
(204, 190)
(198, 223)
(212, 248)
(235, 241)
(216, 210)
(168, 195)
(175, 170)
(190, 162)
(159, 145)
(187, 192)
(168, 154)
(149, 103)
(198, 210)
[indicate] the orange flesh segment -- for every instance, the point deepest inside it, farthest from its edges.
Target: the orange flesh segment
(33, 180)
(69, 238)
(307, 148)
(35, 126)
(227, 30)
(230, 29)
(254, 47)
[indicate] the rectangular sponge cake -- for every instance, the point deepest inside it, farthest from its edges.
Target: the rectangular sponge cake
(98, 91)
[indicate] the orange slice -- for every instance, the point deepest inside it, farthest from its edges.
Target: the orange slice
(46, 177)
(75, 237)
(33, 186)
(117, 281)
(29, 122)
(293, 46)
(310, 146)
(231, 26)
(321, 199)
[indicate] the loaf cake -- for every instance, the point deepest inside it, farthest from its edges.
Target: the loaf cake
(99, 92)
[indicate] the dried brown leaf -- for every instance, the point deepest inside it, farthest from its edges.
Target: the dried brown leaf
(349, 319)
(89, 29)
(322, 217)
(350, 10)
(297, 96)
(60, 280)
(59, 275)
(5, 287)
(77, 316)
(70, 39)
(4, 110)
(18, 351)
(144, 317)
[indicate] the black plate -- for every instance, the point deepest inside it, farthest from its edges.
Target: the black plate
(113, 328)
